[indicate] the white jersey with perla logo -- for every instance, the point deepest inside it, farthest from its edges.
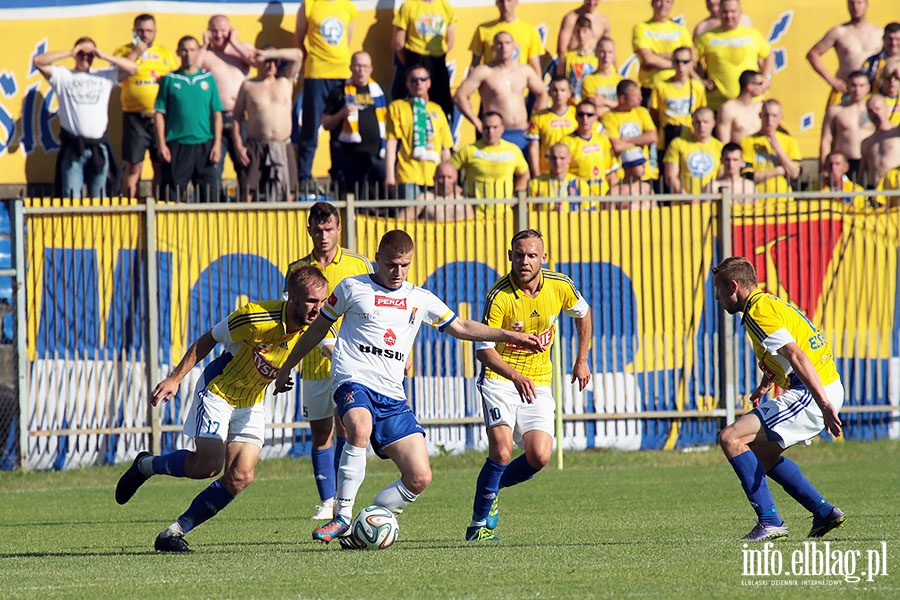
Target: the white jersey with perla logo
(378, 331)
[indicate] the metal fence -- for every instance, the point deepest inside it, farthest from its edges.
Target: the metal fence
(109, 294)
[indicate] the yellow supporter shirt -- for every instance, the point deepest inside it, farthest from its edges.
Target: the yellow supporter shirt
(578, 67)
(893, 109)
(659, 38)
(592, 159)
(698, 163)
(758, 152)
(345, 264)
(890, 182)
(598, 84)
(727, 54)
(631, 123)
(139, 90)
(771, 323)
(528, 40)
(570, 187)
(327, 44)
(490, 170)
(548, 128)
(854, 195)
(425, 24)
(400, 127)
(258, 345)
(506, 307)
(675, 105)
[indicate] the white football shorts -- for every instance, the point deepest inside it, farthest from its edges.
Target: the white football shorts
(501, 404)
(212, 417)
(794, 416)
(317, 401)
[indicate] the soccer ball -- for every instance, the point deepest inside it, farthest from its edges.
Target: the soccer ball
(375, 527)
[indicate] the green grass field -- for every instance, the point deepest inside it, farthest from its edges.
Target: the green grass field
(611, 524)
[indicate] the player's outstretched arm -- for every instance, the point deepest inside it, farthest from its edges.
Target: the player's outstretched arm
(166, 389)
(475, 331)
(581, 372)
(309, 340)
(804, 369)
(490, 358)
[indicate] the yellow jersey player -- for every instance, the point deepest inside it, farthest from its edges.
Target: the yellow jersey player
(336, 263)
(226, 419)
(793, 355)
(515, 384)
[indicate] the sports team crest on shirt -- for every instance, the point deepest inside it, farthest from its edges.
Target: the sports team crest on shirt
(700, 163)
(630, 129)
(412, 315)
(332, 30)
(518, 325)
(390, 338)
(204, 85)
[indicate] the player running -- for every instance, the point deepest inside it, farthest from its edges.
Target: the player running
(793, 355)
(382, 315)
(515, 389)
(227, 419)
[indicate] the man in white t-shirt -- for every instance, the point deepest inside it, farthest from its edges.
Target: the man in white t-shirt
(382, 315)
(83, 98)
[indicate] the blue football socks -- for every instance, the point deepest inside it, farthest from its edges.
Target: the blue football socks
(205, 506)
(517, 471)
(787, 474)
(323, 469)
(170, 464)
(486, 488)
(753, 479)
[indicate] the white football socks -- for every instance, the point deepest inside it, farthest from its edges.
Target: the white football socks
(395, 497)
(351, 474)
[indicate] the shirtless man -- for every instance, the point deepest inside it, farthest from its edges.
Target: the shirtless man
(713, 20)
(853, 42)
(599, 22)
(267, 160)
(502, 86)
(732, 164)
(881, 150)
(229, 61)
(739, 117)
(846, 126)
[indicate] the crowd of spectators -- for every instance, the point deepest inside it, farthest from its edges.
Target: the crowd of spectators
(575, 130)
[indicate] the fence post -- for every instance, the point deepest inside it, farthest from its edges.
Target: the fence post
(350, 225)
(727, 384)
(522, 210)
(151, 285)
(18, 248)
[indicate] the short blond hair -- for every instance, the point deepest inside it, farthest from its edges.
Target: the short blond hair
(737, 269)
